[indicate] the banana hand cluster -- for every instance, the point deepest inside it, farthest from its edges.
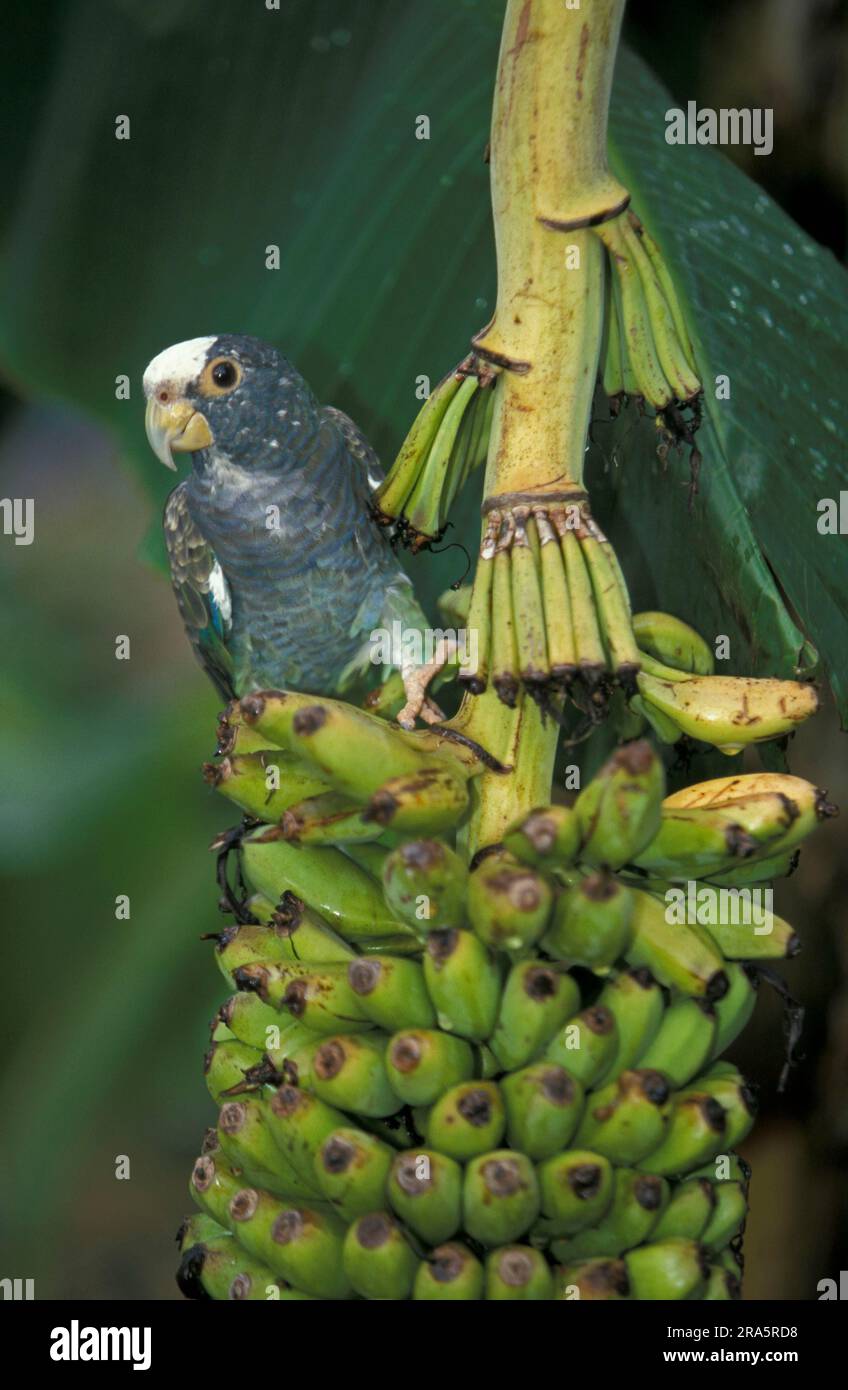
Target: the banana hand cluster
(550, 607)
(322, 772)
(448, 440)
(418, 1097)
(646, 353)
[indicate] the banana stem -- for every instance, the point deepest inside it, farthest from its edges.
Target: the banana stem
(550, 185)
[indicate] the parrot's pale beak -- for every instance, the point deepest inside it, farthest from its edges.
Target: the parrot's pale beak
(176, 428)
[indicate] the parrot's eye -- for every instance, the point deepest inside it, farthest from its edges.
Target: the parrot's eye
(220, 376)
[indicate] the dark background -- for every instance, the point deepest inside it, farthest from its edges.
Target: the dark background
(103, 1021)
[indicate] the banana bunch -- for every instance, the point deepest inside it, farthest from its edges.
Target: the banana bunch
(448, 440)
(419, 1095)
(549, 608)
(646, 352)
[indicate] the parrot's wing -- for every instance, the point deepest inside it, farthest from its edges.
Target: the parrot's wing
(202, 592)
(358, 446)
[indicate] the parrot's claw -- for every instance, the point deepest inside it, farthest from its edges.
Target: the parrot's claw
(419, 705)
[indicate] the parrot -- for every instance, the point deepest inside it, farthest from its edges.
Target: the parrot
(280, 570)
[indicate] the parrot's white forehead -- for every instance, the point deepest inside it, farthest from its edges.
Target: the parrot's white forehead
(178, 365)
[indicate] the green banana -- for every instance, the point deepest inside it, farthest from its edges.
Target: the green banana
(591, 923)
(668, 340)
(378, 1259)
(234, 736)
(674, 954)
(627, 1118)
(665, 729)
(527, 604)
(673, 642)
(259, 1025)
(352, 1170)
(667, 1269)
(450, 1273)
(357, 751)
(637, 319)
(587, 1044)
(422, 1063)
(467, 1120)
(517, 1272)
(576, 1190)
(770, 938)
(689, 1210)
(695, 843)
(549, 835)
(231, 1065)
(475, 677)
(684, 1041)
(320, 997)
(299, 1122)
(536, 1001)
(734, 1010)
(392, 992)
(327, 880)
(215, 1266)
(636, 1002)
(543, 1106)
(424, 802)
(724, 1167)
(425, 884)
(696, 1130)
(265, 784)
(425, 1191)
(500, 1198)
(247, 943)
(245, 1136)
(397, 486)
(349, 1071)
(588, 644)
(637, 1204)
(557, 602)
(464, 983)
(300, 1243)
(722, 1286)
(612, 351)
(756, 870)
(508, 904)
(619, 812)
(592, 1280)
(724, 1083)
(663, 275)
(728, 1218)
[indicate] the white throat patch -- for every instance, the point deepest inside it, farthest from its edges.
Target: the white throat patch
(177, 366)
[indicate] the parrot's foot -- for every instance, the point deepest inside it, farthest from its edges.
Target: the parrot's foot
(419, 705)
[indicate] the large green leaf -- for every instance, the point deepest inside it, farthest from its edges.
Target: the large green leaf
(252, 127)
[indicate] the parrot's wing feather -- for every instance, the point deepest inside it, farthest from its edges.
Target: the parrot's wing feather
(202, 592)
(358, 446)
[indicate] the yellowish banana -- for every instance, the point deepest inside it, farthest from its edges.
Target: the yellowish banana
(730, 711)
